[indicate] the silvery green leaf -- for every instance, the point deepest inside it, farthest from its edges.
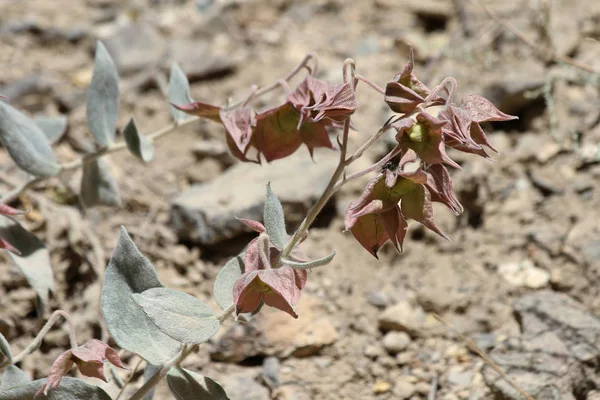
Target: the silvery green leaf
(308, 264)
(53, 127)
(69, 389)
(179, 91)
(138, 145)
(223, 286)
(130, 272)
(274, 220)
(5, 352)
(12, 377)
(103, 98)
(98, 186)
(26, 143)
(188, 385)
(149, 372)
(34, 260)
(180, 315)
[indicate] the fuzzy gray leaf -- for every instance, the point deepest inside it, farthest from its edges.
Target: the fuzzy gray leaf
(308, 264)
(274, 219)
(53, 127)
(5, 352)
(26, 143)
(34, 260)
(130, 272)
(98, 186)
(188, 385)
(179, 91)
(103, 98)
(69, 389)
(223, 286)
(180, 315)
(138, 145)
(13, 377)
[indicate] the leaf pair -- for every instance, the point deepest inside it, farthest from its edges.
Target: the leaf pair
(145, 317)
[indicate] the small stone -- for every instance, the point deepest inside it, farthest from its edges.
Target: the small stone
(405, 358)
(135, 47)
(423, 388)
(378, 299)
(200, 59)
(593, 395)
(403, 317)
(395, 342)
(243, 387)
(458, 377)
(404, 390)
(270, 372)
(524, 273)
(382, 387)
(373, 351)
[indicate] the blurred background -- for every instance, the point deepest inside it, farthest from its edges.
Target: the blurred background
(519, 278)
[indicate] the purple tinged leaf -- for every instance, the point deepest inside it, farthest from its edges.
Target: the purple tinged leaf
(239, 123)
(481, 109)
(395, 226)
(98, 186)
(188, 385)
(137, 144)
(254, 225)
(8, 210)
(30, 256)
(337, 103)
(200, 109)
(103, 98)
(130, 272)
(440, 187)
(26, 143)
(275, 287)
(178, 91)
(179, 315)
(417, 205)
(276, 134)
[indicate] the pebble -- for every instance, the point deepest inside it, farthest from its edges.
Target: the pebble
(395, 342)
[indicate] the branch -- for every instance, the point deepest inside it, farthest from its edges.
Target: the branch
(40, 336)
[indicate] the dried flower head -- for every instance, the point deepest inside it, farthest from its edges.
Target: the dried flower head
(89, 359)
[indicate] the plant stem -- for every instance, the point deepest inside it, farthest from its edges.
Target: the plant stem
(365, 171)
(329, 191)
(40, 336)
(175, 361)
(371, 84)
(133, 371)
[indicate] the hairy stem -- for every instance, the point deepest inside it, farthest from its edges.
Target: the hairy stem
(365, 171)
(175, 361)
(133, 371)
(370, 83)
(35, 343)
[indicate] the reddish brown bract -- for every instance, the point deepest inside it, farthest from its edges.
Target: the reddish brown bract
(89, 359)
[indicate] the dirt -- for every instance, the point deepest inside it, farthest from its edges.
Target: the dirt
(530, 220)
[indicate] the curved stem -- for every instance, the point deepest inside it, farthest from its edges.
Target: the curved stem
(365, 171)
(40, 336)
(372, 84)
(133, 371)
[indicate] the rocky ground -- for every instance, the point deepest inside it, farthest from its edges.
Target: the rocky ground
(519, 278)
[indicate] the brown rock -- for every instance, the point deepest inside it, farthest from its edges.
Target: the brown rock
(275, 333)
